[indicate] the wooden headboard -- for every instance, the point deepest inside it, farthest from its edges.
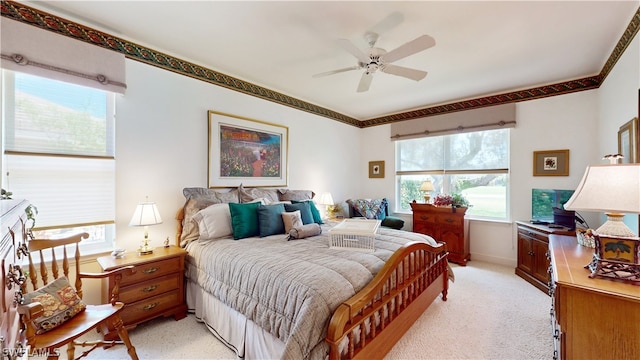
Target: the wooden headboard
(179, 218)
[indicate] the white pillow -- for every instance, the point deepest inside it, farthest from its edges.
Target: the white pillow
(291, 220)
(214, 222)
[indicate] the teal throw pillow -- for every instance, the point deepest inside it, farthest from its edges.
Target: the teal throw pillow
(244, 219)
(317, 218)
(270, 219)
(305, 211)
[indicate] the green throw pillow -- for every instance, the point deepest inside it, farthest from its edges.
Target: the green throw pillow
(317, 218)
(270, 219)
(305, 211)
(244, 219)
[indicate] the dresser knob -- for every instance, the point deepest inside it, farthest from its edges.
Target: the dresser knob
(150, 306)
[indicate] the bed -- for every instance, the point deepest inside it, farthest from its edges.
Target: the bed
(269, 296)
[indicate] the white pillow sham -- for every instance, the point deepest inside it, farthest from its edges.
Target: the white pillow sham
(214, 222)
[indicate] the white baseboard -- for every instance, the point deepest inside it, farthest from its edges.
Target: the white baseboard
(494, 260)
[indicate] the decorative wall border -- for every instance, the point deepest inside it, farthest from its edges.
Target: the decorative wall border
(44, 20)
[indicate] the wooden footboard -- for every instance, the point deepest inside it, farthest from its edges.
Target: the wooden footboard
(374, 319)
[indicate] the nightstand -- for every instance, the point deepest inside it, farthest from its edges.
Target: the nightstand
(156, 288)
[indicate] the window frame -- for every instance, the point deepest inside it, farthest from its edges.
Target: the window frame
(105, 226)
(446, 175)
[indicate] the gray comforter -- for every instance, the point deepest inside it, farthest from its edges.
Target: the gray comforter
(289, 288)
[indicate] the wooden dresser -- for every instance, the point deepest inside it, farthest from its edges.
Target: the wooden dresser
(445, 225)
(156, 288)
(591, 318)
(12, 216)
(533, 246)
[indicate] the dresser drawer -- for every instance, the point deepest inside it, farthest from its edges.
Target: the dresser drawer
(424, 217)
(133, 293)
(450, 219)
(147, 271)
(148, 308)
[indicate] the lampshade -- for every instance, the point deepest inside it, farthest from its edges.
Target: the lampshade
(146, 213)
(325, 199)
(427, 186)
(613, 189)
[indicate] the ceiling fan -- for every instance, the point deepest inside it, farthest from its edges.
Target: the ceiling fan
(375, 59)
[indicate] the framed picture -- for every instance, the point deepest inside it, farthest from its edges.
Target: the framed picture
(246, 151)
(551, 163)
(376, 169)
(628, 141)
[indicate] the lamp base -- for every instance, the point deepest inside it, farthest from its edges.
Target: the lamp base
(614, 226)
(145, 251)
(427, 198)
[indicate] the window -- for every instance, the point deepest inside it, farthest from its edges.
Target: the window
(474, 164)
(59, 154)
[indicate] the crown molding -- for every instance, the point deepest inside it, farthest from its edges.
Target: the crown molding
(19, 12)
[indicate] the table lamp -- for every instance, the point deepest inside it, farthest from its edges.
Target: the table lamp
(427, 188)
(146, 214)
(327, 200)
(613, 189)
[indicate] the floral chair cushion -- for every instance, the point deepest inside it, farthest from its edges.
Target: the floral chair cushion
(60, 303)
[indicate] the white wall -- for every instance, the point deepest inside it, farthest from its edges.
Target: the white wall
(618, 99)
(161, 145)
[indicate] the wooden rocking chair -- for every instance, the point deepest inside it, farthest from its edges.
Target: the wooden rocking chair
(97, 317)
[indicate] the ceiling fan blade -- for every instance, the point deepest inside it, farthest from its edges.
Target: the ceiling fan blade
(421, 43)
(353, 50)
(392, 20)
(355, 67)
(365, 81)
(408, 73)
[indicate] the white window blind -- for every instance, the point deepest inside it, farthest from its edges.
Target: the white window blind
(59, 150)
(27, 48)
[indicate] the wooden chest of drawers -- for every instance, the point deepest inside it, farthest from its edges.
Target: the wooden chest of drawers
(156, 288)
(591, 318)
(446, 226)
(12, 235)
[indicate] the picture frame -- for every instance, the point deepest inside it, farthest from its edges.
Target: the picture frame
(246, 151)
(628, 142)
(376, 169)
(551, 163)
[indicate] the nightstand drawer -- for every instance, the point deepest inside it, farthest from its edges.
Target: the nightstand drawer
(133, 293)
(148, 308)
(151, 270)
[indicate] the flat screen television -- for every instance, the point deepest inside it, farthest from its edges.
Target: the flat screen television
(543, 201)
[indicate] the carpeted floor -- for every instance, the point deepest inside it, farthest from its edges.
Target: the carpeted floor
(490, 314)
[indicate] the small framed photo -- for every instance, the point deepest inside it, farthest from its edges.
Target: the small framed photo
(551, 163)
(376, 169)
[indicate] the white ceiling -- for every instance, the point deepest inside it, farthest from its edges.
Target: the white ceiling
(482, 47)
